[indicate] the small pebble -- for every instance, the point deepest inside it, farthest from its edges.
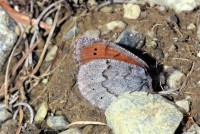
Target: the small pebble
(173, 19)
(153, 44)
(115, 24)
(4, 114)
(87, 129)
(198, 32)
(91, 34)
(191, 26)
(175, 79)
(184, 104)
(162, 9)
(198, 54)
(71, 131)
(131, 38)
(106, 9)
(45, 81)
(49, 20)
(143, 113)
(71, 33)
(198, 83)
(41, 113)
(194, 129)
(57, 122)
(131, 11)
(51, 53)
(143, 15)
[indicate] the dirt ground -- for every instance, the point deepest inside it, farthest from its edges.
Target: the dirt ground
(61, 92)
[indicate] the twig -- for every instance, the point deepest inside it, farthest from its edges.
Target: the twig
(47, 42)
(37, 22)
(8, 66)
(86, 123)
(22, 18)
(29, 108)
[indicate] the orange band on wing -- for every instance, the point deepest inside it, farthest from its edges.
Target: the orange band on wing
(102, 51)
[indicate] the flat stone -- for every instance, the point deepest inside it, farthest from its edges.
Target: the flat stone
(57, 122)
(93, 33)
(175, 79)
(131, 11)
(71, 131)
(116, 24)
(143, 113)
(41, 112)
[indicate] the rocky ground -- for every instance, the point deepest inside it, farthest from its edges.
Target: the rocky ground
(171, 50)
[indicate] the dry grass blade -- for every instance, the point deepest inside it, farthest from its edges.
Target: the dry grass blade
(47, 42)
(86, 123)
(8, 67)
(22, 18)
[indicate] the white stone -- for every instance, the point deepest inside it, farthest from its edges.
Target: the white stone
(175, 79)
(49, 20)
(191, 26)
(51, 54)
(177, 5)
(198, 54)
(131, 11)
(184, 104)
(115, 24)
(143, 113)
(41, 113)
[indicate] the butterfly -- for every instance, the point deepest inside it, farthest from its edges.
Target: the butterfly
(106, 70)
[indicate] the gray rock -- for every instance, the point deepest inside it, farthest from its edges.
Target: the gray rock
(8, 36)
(116, 24)
(92, 33)
(175, 79)
(71, 33)
(57, 122)
(4, 114)
(41, 112)
(131, 11)
(9, 127)
(131, 38)
(194, 129)
(143, 113)
(71, 131)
